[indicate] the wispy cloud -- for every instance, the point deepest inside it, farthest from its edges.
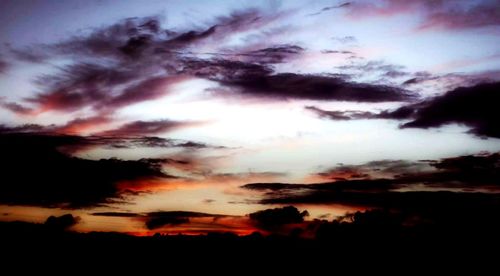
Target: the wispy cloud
(451, 15)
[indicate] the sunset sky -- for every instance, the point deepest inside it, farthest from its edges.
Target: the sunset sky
(187, 116)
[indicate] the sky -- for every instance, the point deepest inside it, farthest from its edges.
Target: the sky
(190, 116)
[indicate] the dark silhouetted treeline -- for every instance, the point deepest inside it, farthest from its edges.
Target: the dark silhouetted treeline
(378, 236)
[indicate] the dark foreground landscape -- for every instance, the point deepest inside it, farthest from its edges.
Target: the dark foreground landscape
(375, 239)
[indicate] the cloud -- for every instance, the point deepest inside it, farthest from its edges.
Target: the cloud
(79, 85)
(171, 221)
(146, 128)
(88, 85)
(61, 223)
(259, 81)
(313, 87)
(134, 60)
(325, 9)
(340, 115)
(80, 125)
(337, 52)
(271, 55)
(149, 89)
(376, 68)
(373, 169)
(26, 128)
(130, 139)
(455, 17)
(83, 143)
(382, 198)
(35, 173)
(130, 135)
(472, 106)
(385, 182)
(4, 65)
(116, 214)
(272, 218)
(345, 39)
(15, 107)
(155, 220)
(451, 15)
(441, 83)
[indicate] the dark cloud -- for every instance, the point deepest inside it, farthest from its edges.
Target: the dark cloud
(116, 214)
(411, 81)
(145, 128)
(281, 191)
(155, 220)
(79, 85)
(127, 40)
(340, 115)
(272, 218)
(259, 81)
(61, 223)
(474, 107)
(196, 145)
(35, 173)
(71, 143)
(26, 128)
(324, 216)
(33, 54)
(325, 9)
(378, 68)
(191, 36)
(382, 198)
(4, 65)
(394, 180)
(158, 222)
(83, 143)
(152, 142)
(88, 85)
(272, 55)
(375, 169)
(149, 89)
(209, 201)
(137, 38)
(450, 81)
(337, 52)
(222, 69)
(15, 107)
(135, 60)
